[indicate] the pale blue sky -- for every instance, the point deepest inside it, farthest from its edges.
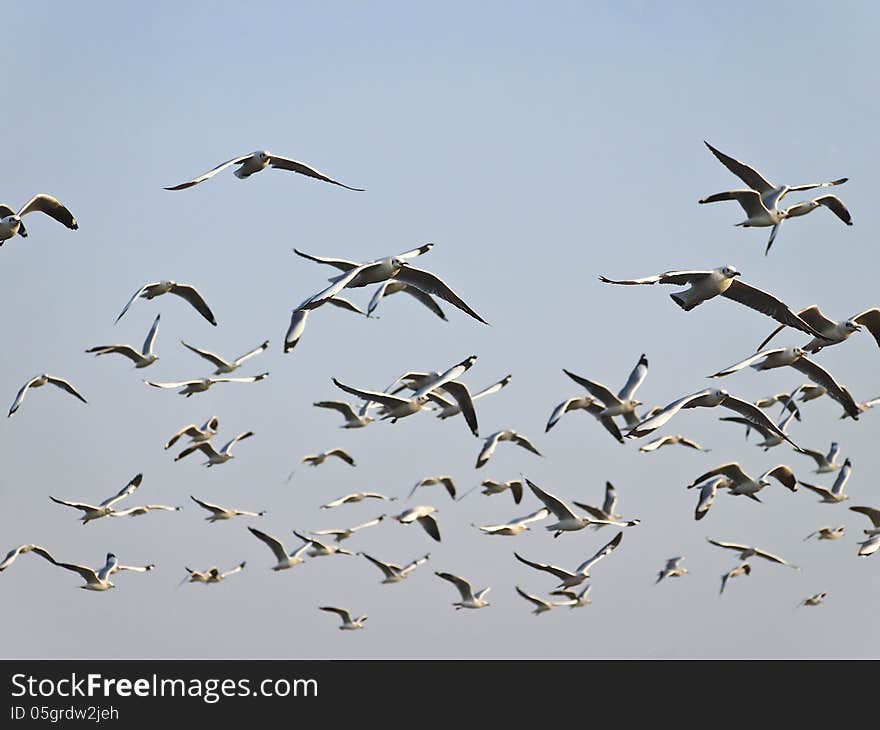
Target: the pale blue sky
(537, 145)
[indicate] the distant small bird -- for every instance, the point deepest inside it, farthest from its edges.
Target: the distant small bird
(196, 434)
(606, 512)
(254, 162)
(541, 606)
(394, 573)
(872, 544)
(344, 534)
(99, 580)
(515, 526)
(224, 513)
(469, 599)
(827, 533)
(223, 366)
(184, 291)
(142, 359)
(741, 569)
(446, 481)
(514, 486)
(318, 459)
(318, 549)
(189, 387)
(505, 435)
(212, 575)
(624, 403)
(214, 456)
(746, 552)
(37, 382)
(424, 515)
(348, 623)
(94, 512)
(670, 441)
(589, 404)
(835, 494)
(353, 418)
(575, 600)
(285, 561)
(355, 497)
(11, 223)
(672, 569)
(814, 600)
(20, 550)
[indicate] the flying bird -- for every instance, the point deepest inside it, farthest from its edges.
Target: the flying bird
(424, 515)
(356, 497)
(20, 550)
(353, 418)
(469, 599)
(670, 441)
(736, 571)
(318, 459)
(762, 197)
(566, 520)
(705, 285)
(224, 513)
(833, 332)
(318, 549)
(37, 382)
(394, 573)
(212, 575)
(570, 578)
(94, 512)
(672, 569)
(142, 359)
(99, 580)
(344, 534)
(11, 222)
(223, 366)
(446, 481)
(742, 483)
(214, 456)
(826, 463)
(189, 387)
(348, 623)
(184, 291)
(708, 490)
(285, 561)
(516, 525)
(624, 403)
(492, 442)
(814, 600)
(835, 494)
(195, 433)
(827, 533)
(746, 552)
(255, 162)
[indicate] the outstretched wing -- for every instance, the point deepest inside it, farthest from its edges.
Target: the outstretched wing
(210, 173)
(749, 175)
(127, 490)
(767, 304)
(190, 294)
(211, 357)
(431, 284)
(285, 163)
(65, 385)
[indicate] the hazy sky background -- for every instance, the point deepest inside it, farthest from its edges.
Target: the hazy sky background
(537, 145)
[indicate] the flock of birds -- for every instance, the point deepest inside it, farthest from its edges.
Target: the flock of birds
(445, 394)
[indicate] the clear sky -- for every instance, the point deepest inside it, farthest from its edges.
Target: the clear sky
(537, 145)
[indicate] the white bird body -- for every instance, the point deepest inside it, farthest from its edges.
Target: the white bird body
(424, 515)
(196, 434)
(827, 533)
(224, 513)
(516, 525)
(572, 578)
(200, 385)
(212, 576)
(214, 456)
(99, 580)
(348, 623)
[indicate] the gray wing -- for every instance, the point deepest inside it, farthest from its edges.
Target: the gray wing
(343, 303)
(560, 573)
(88, 574)
(756, 416)
(652, 423)
(274, 544)
(464, 587)
(749, 200)
(341, 612)
(749, 175)
(341, 264)
(126, 491)
(731, 470)
(745, 363)
(210, 173)
(124, 350)
(749, 424)
(211, 357)
(431, 284)
(603, 552)
(521, 440)
(430, 526)
(190, 294)
(820, 376)
(204, 446)
(434, 383)
(344, 408)
(345, 456)
(133, 297)
(52, 207)
(216, 509)
(769, 305)
(284, 163)
(870, 512)
(667, 277)
(377, 296)
(64, 385)
(870, 318)
(425, 299)
(191, 430)
(297, 327)
(388, 569)
(462, 396)
(610, 502)
(636, 378)
(597, 390)
(337, 284)
(494, 388)
(389, 401)
(151, 336)
(553, 503)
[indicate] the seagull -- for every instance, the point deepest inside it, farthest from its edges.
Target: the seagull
(142, 510)
(835, 494)
(814, 600)
(741, 569)
(196, 434)
(224, 513)
(348, 623)
(721, 281)
(212, 575)
(746, 552)
(226, 366)
(446, 481)
(15, 552)
(827, 533)
(94, 512)
(394, 573)
(833, 332)
(797, 358)
(214, 456)
(340, 535)
(254, 162)
(184, 291)
(37, 382)
(11, 223)
(468, 598)
(453, 409)
(670, 441)
(424, 515)
(569, 578)
(872, 514)
(575, 600)
(285, 561)
(141, 359)
(827, 463)
(462, 400)
(869, 546)
(202, 384)
(624, 403)
(742, 483)
(608, 506)
(299, 317)
(515, 486)
(761, 199)
(318, 459)
(584, 403)
(707, 398)
(392, 287)
(541, 606)
(356, 497)
(568, 521)
(99, 580)
(353, 418)
(396, 407)
(672, 569)
(499, 436)
(516, 525)
(396, 268)
(318, 548)
(770, 438)
(707, 495)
